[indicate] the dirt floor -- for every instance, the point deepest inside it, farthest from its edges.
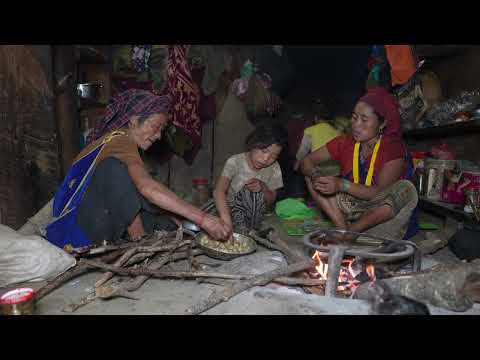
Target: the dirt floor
(162, 297)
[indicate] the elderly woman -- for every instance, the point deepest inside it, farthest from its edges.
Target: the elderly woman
(372, 195)
(108, 192)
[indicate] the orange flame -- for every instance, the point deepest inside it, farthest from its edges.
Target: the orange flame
(370, 270)
(347, 275)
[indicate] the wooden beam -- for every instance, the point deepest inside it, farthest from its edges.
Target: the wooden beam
(65, 104)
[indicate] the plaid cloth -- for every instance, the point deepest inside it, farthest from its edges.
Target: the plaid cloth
(133, 102)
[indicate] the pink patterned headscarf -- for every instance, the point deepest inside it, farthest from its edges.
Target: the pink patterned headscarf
(133, 102)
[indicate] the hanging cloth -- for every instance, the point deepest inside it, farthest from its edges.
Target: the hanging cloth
(402, 63)
(356, 162)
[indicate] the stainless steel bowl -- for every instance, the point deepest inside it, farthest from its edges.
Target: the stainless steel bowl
(191, 226)
(221, 255)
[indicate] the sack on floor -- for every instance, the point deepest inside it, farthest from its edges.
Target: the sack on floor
(29, 258)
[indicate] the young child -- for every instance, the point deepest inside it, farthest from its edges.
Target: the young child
(316, 136)
(250, 180)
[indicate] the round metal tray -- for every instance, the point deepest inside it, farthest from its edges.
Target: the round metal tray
(220, 255)
(368, 246)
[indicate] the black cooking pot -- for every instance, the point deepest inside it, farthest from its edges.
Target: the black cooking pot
(465, 243)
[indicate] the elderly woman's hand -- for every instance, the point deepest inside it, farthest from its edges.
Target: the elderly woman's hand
(327, 185)
(216, 228)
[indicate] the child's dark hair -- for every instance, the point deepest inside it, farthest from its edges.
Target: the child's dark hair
(265, 135)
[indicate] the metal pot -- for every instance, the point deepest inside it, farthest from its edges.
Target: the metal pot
(476, 113)
(89, 91)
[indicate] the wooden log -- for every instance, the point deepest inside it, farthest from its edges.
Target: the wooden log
(260, 280)
(165, 274)
(134, 284)
(264, 242)
(292, 255)
(80, 269)
(140, 249)
(445, 286)
(108, 291)
(335, 257)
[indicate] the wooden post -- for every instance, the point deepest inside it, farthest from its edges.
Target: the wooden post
(68, 128)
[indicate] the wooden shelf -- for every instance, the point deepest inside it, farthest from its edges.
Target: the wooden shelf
(460, 128)
(444, 209)
(441, 50)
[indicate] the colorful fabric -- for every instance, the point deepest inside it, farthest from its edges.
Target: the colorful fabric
(356, 162)
(121, 147)
(341, 149)
(63, 230)
(247, 208)
(141, 57)
(129, 103)
(293, 209)
(402, 63)
(183, 93)
(321, 134)
(386, 106)
(401, 197)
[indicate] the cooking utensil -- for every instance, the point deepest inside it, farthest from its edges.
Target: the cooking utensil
(89, 91)
(221, 255)
(191, 226)
(18, 302)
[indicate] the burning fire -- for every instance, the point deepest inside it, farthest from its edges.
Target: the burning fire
(347, 278)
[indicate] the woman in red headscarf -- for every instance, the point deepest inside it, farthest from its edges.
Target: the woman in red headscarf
(372, 194)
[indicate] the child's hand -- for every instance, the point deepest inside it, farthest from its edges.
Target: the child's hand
(254, 185)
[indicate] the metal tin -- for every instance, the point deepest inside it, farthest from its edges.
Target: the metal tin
(18, 302)
(435, 172)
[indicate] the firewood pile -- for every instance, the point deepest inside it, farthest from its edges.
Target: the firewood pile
(148, 258)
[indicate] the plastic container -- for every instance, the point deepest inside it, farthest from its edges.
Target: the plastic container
(418, 156)
(436, 171)
(457, 183)
(200, 191)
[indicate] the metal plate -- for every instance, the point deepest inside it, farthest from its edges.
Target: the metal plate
(221, 255)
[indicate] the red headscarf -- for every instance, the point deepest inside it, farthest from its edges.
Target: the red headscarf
(386, 106)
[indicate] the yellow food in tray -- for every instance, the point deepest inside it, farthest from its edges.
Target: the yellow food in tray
(240, 244)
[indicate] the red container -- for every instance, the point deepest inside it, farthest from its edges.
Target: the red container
(454, 192)
(417, 156)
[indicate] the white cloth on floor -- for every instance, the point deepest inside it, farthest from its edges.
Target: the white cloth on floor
(29, 258)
